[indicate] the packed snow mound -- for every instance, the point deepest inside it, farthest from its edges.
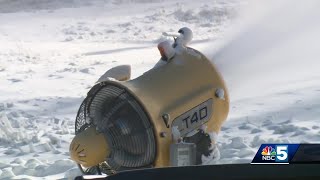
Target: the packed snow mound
(10, 6)
(209, 20)
(205, 15)
(10, 134)
(136, 1)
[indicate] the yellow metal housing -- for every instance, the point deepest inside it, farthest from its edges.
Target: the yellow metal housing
(186, 81)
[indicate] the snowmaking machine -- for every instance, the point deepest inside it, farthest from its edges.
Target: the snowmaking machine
(165, 117)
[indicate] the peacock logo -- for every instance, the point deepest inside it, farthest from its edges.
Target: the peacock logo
(268, 151)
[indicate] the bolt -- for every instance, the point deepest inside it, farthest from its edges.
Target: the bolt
(166, 118)
(219, 93)
(163, 134)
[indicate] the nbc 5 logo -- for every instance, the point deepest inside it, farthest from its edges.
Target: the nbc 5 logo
(282, 153)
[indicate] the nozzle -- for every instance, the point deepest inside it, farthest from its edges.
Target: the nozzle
(170, 34)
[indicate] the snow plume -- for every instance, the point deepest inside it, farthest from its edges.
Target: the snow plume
(273, 44)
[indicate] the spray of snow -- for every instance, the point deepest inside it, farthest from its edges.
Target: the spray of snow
(272, 45)
(269, 60)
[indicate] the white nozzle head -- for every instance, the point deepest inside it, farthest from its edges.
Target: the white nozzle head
(187, 34)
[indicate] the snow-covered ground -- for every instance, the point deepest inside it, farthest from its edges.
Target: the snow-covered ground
(52, 52)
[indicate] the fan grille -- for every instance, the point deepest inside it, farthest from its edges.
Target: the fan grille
(127, 128)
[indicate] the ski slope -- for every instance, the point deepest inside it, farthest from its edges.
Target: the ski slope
(52, 53)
